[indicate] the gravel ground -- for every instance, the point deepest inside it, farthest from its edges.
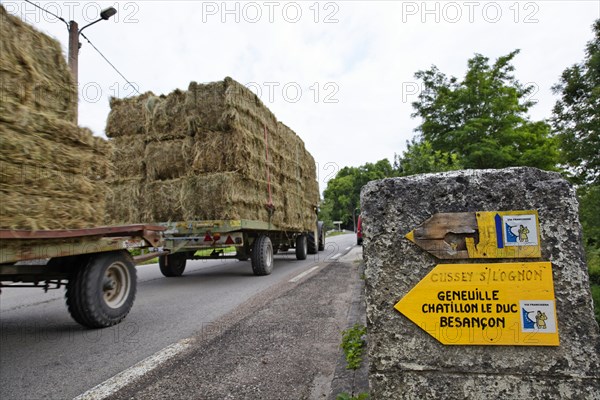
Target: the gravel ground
(283, 344)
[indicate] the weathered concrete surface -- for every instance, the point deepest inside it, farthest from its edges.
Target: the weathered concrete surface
(405, 361)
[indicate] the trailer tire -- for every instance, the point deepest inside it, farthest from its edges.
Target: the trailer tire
(301, 247)
(262, 256)
(312, 245)
(172, 265)
(321, 236)
(101, 292)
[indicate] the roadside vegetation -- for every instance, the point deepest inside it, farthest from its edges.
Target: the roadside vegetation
(353, 344)
(481, 121)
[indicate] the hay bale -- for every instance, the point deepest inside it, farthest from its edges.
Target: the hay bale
(170, 118)
(201, 197)
(102, 168)
(206, 197)
(52, 172)
(227, 104)
(35, 210)
(124, 202)
(35, 150)
(33, 72)
(169, 159)
(206, 158)
(44, 181)
(27, 178)
(130, 116)
(128, 156)
(51, 128)
(32, 148)
(236, 150)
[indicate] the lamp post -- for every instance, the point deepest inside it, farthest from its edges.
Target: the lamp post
(74, 45)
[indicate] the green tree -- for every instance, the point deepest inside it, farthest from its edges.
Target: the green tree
(342, 195)
(576, 123)
(420, 157)
(483, 118)
(576, 115)
(589, 214)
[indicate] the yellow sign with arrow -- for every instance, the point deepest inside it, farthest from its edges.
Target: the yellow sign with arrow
(486, 304)
(482, 234)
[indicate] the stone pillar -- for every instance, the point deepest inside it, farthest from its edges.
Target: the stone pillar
(408, 363)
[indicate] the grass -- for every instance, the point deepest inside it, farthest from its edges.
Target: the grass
(346, 396)
(353, 345)
(199, 253)
(207, 252)
(337, 233)
(593, 260)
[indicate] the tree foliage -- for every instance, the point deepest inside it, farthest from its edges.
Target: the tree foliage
(342, 195)
(482, 119)
(576, 115)
(576, 123)
(420, 157)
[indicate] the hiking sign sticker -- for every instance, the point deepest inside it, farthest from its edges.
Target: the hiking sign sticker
(520, 230)
(508, 304)
(480, 234)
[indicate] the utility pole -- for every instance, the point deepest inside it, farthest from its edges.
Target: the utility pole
(74, 45)
(74, 60)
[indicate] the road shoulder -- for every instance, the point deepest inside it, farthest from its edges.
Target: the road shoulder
(278, 346)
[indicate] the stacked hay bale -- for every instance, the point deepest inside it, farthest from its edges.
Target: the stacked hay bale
(51, 171)
(202, 155)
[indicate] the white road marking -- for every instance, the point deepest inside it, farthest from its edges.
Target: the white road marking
(336, 256)
(349, 248)
(119, 381)
(302, 275)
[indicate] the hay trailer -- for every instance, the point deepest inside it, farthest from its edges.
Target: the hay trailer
(94, 264)
(253, 240)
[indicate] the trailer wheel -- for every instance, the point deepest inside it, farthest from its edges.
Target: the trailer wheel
(100, 293)
(312, 246)
(321, 236)
(301, 247)
(262, 256)
(172, 265)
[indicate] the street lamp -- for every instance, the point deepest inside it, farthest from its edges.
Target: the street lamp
(74, 44)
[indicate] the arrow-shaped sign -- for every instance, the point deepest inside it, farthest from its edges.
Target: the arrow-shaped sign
(482, 234)
(486, 304)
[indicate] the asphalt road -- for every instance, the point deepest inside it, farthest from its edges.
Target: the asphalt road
(44, 354)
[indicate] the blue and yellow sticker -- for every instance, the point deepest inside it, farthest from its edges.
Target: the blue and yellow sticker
(506, 234)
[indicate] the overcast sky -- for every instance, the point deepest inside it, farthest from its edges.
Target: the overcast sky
(340, 73)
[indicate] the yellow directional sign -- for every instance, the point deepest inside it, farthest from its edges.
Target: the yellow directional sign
(486, 304)
(482, 234)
